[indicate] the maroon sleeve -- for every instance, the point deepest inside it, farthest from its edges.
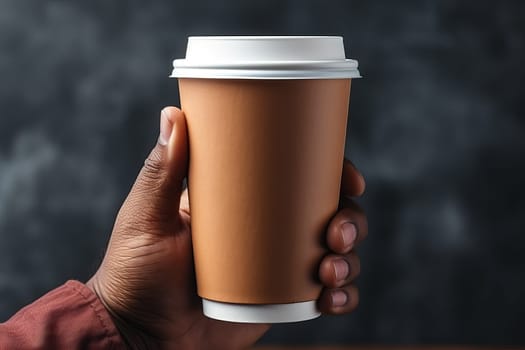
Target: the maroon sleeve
(69, 317)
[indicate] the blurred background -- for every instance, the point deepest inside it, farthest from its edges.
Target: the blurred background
(437, 126)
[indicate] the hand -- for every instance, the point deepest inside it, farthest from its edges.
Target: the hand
(146, 280)
(346, 229)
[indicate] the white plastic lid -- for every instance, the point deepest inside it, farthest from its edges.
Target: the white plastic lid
(265, 57)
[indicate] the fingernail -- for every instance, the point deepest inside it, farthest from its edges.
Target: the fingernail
(165, 128)
(341, 269)
(349, 233)
(339, 298)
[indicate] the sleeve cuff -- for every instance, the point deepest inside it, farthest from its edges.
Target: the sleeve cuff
(102, 316)
(68, 317)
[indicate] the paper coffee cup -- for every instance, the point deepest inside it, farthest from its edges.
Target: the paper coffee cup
(266, 121)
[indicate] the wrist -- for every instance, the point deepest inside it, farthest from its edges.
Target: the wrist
(132, 336)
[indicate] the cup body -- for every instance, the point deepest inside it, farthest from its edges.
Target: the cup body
(264, 179)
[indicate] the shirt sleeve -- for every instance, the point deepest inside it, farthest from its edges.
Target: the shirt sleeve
(69, 317)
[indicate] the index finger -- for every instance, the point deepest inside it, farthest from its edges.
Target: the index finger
(352, 181)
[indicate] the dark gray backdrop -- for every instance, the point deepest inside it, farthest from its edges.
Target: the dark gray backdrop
(437, 127)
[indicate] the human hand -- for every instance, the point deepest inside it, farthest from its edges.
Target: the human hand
(147, 282)
(341, 266)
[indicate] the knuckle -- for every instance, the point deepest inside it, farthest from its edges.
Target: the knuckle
(152, 169)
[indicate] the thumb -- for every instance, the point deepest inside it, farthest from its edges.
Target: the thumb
(153, 202)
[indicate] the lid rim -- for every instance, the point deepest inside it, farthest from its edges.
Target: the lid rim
(264, 74)
(244, 64)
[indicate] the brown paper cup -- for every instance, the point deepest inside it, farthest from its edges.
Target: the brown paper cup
(265, 169)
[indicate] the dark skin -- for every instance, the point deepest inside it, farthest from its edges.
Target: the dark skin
(147, 282)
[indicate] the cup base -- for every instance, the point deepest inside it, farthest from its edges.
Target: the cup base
(260, 313)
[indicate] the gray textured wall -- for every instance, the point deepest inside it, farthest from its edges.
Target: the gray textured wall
(437, 127)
